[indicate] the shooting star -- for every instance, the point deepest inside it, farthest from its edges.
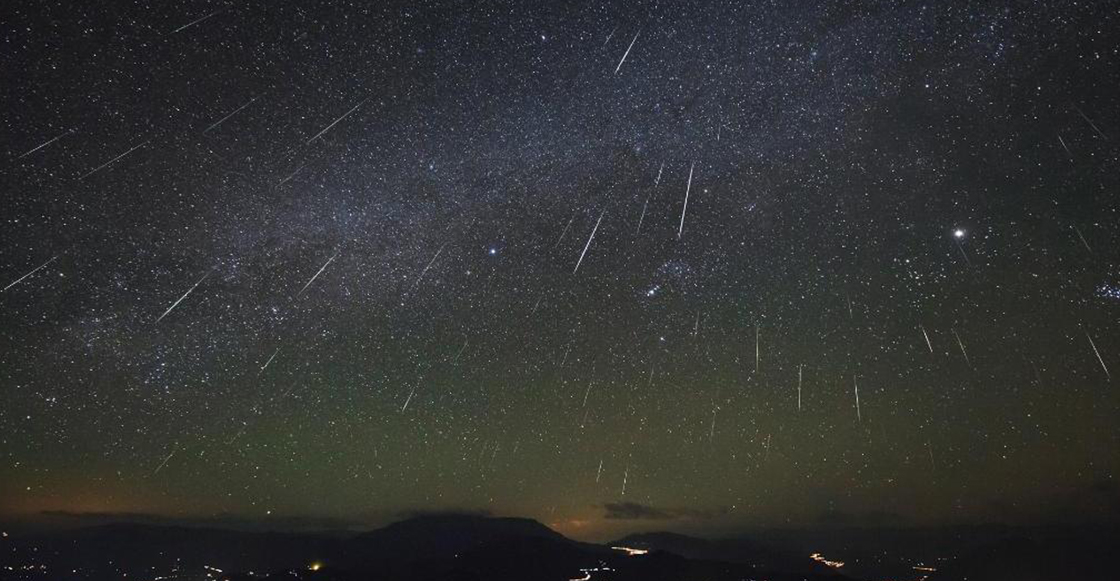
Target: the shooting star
(336, 121)
(963, 352)
(425, 271)
(624, 55)
(194, 22)
(267, 363)
(325, 265)
(112, 161)
(189, 291)
(223, 119)
(684, 210)
(609, 37)
(642, 218)
(292, 175)
(799, 370)
(625, 476)
(37, 269)
(29, 152)
(589, 239)
(1089, 121)
(570, 220)
(461, 349)
(166, 460)
(855, 385)
(1098, 354)
(757, 350)
(600, 472)
(961, 248)
(926, 335)
(1083, 241)
(650, 195)
(405, 407)
(1065, 147)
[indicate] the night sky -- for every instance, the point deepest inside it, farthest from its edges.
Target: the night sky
(613, 267)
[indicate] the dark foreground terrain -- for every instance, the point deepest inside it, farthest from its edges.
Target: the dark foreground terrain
(476, 548)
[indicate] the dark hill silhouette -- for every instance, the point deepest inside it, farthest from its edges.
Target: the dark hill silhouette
(428, 548)
(437, 536)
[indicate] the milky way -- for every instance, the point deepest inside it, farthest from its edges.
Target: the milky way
(741, 263)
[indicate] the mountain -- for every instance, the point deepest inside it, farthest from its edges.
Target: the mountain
(432, 547)
(428, 548)
(439, 536)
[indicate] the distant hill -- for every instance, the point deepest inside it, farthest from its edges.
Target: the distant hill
(427, 548)
(431, 546)
(438, 536)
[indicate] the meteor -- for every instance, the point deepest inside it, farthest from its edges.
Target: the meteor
(189, 291)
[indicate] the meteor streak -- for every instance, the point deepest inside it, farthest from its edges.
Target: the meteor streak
(189, 291)
(37, 269)
(684, 210)
(589, 239)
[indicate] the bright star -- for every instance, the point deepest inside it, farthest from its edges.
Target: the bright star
(958, 233)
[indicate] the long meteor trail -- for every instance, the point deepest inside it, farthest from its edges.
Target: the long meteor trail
(684, 210)
(589, 239)
(234, 112)
(189, 291)
(650, 195)
(627, 53)
(112, 161)
(926, 335)
(406, 401)
(37, 269)
(963, 352)
(194, 22)
(855, 386)
(269, 362)
(425, 271)
(1099, 358)
(29, 152)
(336, 121)
(325, 265)
(166, 460)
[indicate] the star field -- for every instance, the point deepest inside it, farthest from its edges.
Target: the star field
(746, 264)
